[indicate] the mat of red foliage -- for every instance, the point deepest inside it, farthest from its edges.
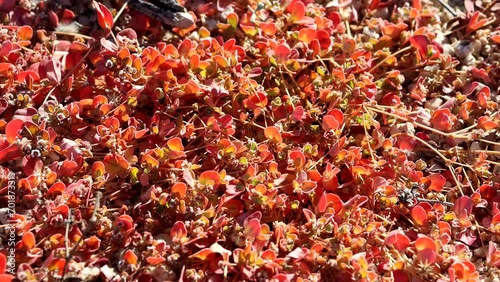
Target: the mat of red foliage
(269, 141)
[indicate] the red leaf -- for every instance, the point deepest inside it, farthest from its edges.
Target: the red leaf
(333, 120)
(298, 114)
(23, 75)
(178, 230)
(68, 168)
(420, 42)
(399, 241)
(56, 189)
(53, 18)
(12, 152)
(486, 123)
(108, 45)
(309, 215)
(427, 256)
(324, 39)
(417, 5)
(126, 33)
(53, 69)
(7, 5)
(3, 263)
(155, 260)
(442, 119)
(185, 47)
(437, 182)
(268, 28)
(104, 16)
(252, 228)
(463, 206)
(296, 159)
(483, 95)
(474, 24)
(12, 130)
(282, 53)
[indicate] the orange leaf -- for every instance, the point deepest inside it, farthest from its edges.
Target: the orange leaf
(6, 67)
(155, 260)
(417, 5)
(57, 264)
(116, 165)
(25, 33)
(221, 61)
(210, 177)
(191, 87)
(203, 254)
(272, 133)
(179, 189)
(307, 35)
(496, 38)
(175, 144)
(148, 159)
(130, 257)
(56, 189)
(98, 169)
(268, 28)
(28, 241)
(359, 170)
(419, 215)
(394, 30)
(233, 19)
(298, 11)
(425, 242)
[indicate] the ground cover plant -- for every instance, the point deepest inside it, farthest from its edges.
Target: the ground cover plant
(270, 140)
